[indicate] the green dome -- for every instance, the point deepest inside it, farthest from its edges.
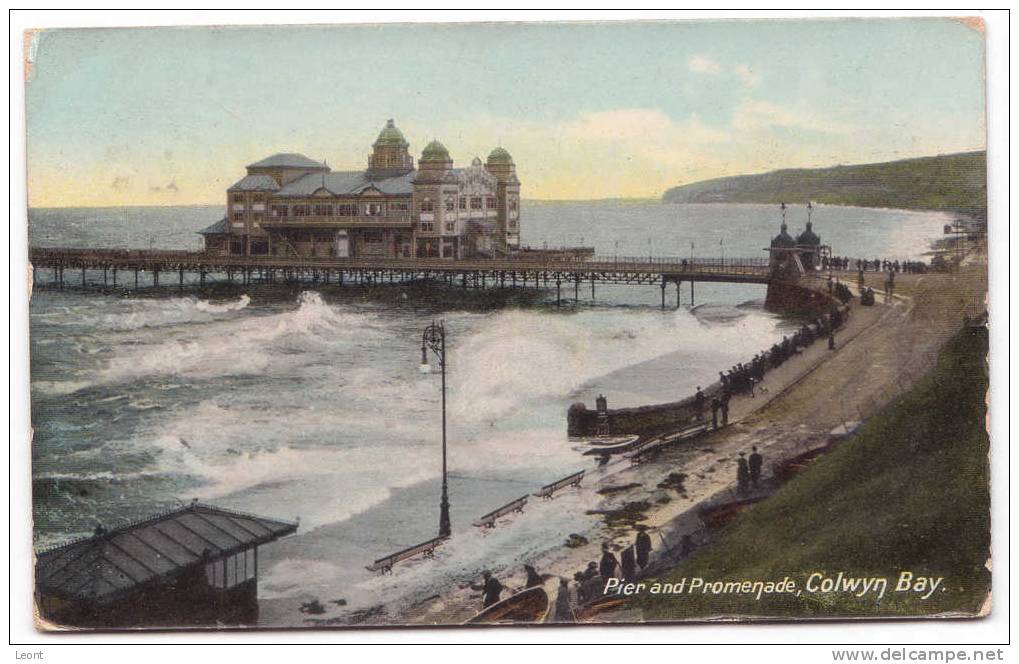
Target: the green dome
(435, 151)
(390, 135)
(500, 156)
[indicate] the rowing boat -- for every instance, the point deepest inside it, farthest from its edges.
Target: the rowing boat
(528, 606)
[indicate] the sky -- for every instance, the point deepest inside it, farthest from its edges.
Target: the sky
(170, 116)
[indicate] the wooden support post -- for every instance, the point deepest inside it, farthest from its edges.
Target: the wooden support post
(679, 294)
(136, 278)
(464, 280)
(691, 293)
(155, 277)
(114, 277)
(201, 278)
(592, 287)
(576, 288)
(180, 282)
(663, 294)
(105, 283)
(82, 277)
(558, 291)
(514, 278)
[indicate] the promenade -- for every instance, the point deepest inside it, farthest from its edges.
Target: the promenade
(880, 352)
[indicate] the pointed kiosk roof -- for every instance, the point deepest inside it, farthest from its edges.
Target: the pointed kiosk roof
(109, 565)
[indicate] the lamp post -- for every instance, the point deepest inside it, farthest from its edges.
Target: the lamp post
(434, 338)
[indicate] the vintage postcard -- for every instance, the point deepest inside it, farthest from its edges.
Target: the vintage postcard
(508, 323)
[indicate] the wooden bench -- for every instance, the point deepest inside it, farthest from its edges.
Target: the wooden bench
(488, 521)
(385, 565)
(548, 490)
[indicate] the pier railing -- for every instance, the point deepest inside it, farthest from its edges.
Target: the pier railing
(197, 260)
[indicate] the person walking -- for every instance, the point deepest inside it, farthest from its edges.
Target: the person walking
(715, 406)
(608, 565)
(756, 461)
(490, 588)
(698, 403)
(642, 546)
(533, 578)
(629, 564)
(725, 409)
(742, 473)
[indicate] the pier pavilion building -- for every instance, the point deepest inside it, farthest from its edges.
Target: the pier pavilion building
(291, 205)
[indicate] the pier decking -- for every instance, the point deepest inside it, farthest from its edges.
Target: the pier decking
(468, 273)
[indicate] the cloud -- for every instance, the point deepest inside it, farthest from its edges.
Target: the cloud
(747, 75)
(120, 183)
(755, 115)
(641, 129)
(702, 64)
(173, 186)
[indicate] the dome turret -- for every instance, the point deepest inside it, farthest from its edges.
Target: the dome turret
(808, 236)
(499, 156)
(390, 135)
(783, 239)
(435, 151)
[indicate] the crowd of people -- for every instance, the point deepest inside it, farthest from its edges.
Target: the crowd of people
(873, 265)
(744, 377)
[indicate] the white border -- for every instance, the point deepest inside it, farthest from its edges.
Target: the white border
(992, 629)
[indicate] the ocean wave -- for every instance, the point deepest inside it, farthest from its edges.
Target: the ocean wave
(246, 346)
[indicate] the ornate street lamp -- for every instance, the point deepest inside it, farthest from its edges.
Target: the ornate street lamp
(434, 338)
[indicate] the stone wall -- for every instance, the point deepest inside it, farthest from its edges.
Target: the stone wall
(640, 420)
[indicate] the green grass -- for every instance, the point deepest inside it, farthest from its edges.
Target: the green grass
(908, 492)
(956, 182)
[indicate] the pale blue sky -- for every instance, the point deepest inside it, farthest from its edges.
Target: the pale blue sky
(587, 110)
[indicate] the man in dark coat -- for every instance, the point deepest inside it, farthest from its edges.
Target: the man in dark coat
(715, 405)
(629, 564)
(725, 409)
(698, 403)
(642, 546)
(533, 578)
(490, 587)
(756, 461)
(607, 568)
(742, 473)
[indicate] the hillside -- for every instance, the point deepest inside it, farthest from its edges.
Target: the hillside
(955, 182)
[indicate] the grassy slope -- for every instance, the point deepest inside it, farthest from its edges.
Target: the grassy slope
(908, 492)
(947, 182)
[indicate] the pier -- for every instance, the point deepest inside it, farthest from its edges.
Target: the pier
(120, 269)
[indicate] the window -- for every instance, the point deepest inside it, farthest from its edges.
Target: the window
(237, 198)
(347, 209)
(447, 250)
(372, 237)
(513, 204)
(450, 205)
(513, 223)
(373, 209)
(463, 202)
(427, 227)
(279, 210)
(323, 210)
(302, 210)
(491, 203)
(450, 226)
(258, 198)
(399, 207)
(427, 205)
(238, 216)
(476, 202)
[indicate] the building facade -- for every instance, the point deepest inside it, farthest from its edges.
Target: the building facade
(292, 206)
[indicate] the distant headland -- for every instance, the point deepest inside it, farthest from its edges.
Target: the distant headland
(953, 182)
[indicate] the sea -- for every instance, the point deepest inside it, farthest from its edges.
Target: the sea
(308, 403)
